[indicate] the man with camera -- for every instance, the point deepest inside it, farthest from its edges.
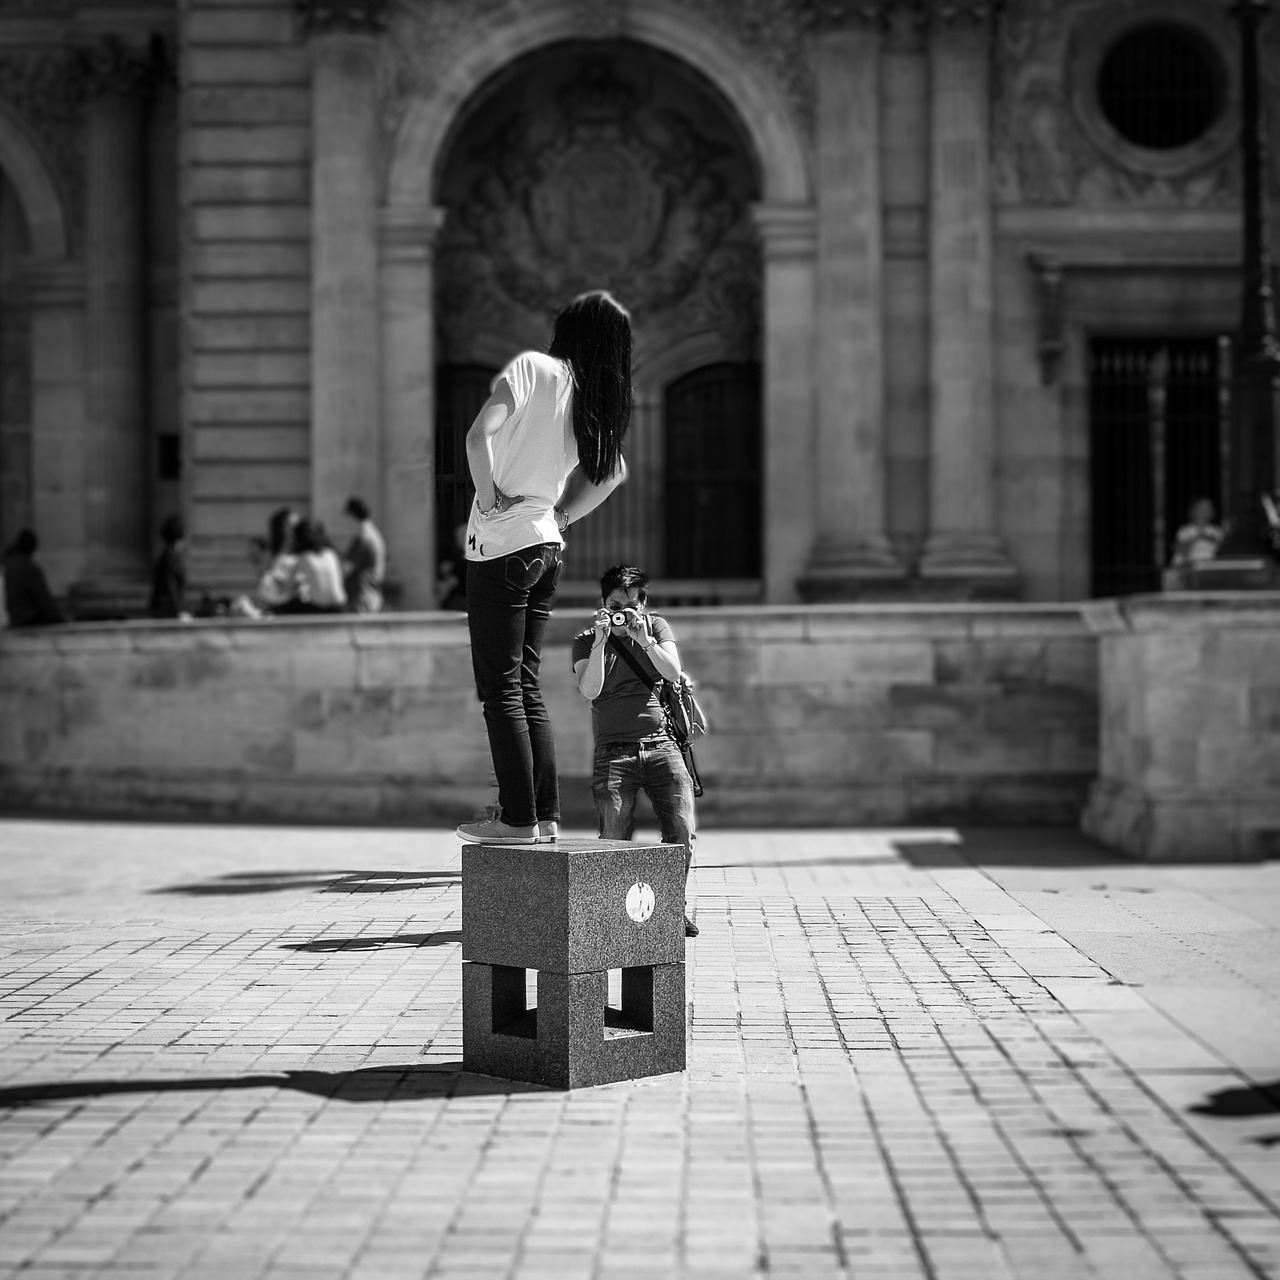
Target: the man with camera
(634, 749)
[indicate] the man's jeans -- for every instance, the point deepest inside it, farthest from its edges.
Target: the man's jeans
(508, 605)
(655, 766)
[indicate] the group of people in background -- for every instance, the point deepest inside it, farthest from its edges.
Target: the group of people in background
(302, 572)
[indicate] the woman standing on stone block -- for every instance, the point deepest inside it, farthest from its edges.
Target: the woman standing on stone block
(545, 449)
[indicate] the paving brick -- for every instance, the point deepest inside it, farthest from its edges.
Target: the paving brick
(228, 1052)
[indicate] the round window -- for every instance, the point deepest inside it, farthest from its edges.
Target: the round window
(1161, 86)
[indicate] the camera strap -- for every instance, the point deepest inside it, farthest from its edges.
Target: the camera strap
(652, 681)
(630, 659)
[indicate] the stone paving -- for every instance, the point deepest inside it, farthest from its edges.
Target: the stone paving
(235, 1052)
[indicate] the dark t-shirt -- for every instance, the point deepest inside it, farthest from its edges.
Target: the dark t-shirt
(26, 593)
(626, 710)
(168, 585)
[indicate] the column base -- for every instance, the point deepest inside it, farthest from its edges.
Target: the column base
(1167, 826)
(1233, 573)
(966, 567)
(867, 569)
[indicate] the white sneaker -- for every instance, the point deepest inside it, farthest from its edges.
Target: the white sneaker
(548, 832)
(495, 831)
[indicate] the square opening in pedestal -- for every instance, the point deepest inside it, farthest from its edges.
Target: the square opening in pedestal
(515, 1002)
(632, 1014)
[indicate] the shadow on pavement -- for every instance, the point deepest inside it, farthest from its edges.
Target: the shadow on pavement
(1009, 847)
(852, 860)
(324, 881)
(1245, 1100)
(368, 1084)
(441, 938)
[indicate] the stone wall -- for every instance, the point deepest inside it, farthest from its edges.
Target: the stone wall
(246, 265)
(1190, 735)
(828, 714)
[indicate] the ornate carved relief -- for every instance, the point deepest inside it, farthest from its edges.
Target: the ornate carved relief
(600, 19)
(957, 12)
(323, 17)
(428, 35)
(45, 91)
(604, 191)
(1045, 155)
(111, 66)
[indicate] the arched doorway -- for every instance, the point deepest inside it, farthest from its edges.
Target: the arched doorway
(609, 165)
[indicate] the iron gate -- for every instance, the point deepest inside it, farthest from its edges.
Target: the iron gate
(460, 391)
(712, 488)
(1158, 412)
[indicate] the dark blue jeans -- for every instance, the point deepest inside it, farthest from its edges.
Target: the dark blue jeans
(655, 766)
(508, 606)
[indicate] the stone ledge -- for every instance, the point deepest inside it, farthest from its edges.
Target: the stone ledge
(1182, 610)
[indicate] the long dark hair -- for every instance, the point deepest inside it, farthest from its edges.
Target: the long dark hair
(593, 337)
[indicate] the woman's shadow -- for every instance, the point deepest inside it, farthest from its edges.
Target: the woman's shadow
(364, 1084)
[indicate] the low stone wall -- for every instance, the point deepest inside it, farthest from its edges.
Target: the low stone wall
(1189, 764)
(827, 714)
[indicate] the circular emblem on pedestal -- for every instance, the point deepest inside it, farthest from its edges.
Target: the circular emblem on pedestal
(640, 902)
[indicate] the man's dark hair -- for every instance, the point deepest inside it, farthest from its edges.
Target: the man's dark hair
(26, 542)
(624, 577)
(280, 530)
(307, 536)
(593, 337)
(172, 531)
(357, 508)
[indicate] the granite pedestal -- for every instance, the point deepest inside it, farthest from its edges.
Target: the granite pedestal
(572, 912)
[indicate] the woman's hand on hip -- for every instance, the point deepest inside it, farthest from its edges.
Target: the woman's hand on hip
(501, 502)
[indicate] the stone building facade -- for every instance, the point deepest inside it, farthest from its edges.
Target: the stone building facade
(932, 298)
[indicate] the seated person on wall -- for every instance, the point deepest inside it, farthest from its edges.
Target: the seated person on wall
(27, 598)
(365, 561)
(634, 750)
(277, 583)
(317, 585)
(169, 573)
(451, 575)
(1196, 542)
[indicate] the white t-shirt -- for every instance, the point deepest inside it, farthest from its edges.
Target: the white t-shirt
(533, 453)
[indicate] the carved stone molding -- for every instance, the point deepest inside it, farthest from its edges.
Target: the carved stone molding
(1049, 143)
(55, 286)
(342, 17)
(786, 231)
(44, 91)
(427, 36)
(410, 231)
(776, 34)
(600, 19)
(843, 15)
(110, 66)
(958, 13)
(1050, 341)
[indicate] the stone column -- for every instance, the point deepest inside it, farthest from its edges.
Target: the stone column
(851, 556)
(56, 294)
(963, 555)
(115, 460)
(787, 234)
(345, 436)
(407, 515)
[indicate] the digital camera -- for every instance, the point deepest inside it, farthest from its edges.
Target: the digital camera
(623, 618)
